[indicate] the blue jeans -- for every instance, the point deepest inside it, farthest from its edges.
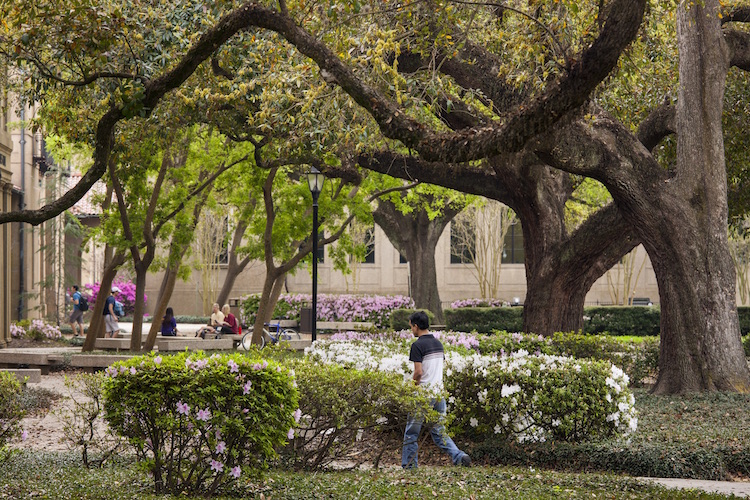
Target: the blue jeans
(439, 436)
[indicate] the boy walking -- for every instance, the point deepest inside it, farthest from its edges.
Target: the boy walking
(427, 355)
(76, 317)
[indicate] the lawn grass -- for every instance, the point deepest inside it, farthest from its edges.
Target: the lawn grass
(60, 475)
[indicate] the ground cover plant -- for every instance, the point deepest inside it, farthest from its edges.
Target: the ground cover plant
(45, 475)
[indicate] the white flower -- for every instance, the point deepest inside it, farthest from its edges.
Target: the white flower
(556, 422)
(498, 429)
(473, 422)
(508, 390)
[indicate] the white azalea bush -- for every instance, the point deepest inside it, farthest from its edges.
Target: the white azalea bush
(518, 396)
(524, 398)
(199, 422)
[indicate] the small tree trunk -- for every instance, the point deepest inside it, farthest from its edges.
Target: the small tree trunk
(168, 283)
(140, 286)
(96, 326)
(234, 269)
(272, 287)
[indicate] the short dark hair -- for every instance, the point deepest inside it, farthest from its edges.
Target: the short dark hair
(76, 287)
(420, 319)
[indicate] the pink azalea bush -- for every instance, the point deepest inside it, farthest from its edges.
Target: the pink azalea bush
(376, 309)
(199, 423)
(126, 294)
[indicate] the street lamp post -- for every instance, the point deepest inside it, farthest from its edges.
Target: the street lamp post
(315, 181)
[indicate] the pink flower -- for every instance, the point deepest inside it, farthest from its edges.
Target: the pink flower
(297, 415)
(157, 360)
(217, 466)
(221, 447)
(233, 367)
(24, 435)
(290, 434)
(236, 471)
(247, 387)
(204, 414)
(183, 408)
(217, 434)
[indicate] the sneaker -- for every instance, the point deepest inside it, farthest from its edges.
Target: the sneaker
(465, 461)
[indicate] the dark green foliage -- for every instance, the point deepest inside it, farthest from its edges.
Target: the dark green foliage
(400, 318)
(744, 313)
(746, 345)
(484, 319)
(622, 320)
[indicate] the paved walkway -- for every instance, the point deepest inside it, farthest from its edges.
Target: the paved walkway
(738, 488)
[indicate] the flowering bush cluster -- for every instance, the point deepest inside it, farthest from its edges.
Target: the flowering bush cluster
(198, 422)
(373, 308)
(40, 329)
(17, 330)
(518, 396)
(479, 303)
(539, 398)
(126, 294)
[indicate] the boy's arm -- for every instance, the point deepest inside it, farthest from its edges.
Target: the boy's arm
(417, 372)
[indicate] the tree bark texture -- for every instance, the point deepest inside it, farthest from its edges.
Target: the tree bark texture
(701, 347)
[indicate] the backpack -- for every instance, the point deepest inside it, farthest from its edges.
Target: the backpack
(119, 309)
(83, 304)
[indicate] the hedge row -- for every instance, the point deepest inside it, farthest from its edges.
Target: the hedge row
(638, 459)
(614, 320)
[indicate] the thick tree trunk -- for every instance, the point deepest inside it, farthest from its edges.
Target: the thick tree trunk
(234, 269)
(700, 336)
(416, 236)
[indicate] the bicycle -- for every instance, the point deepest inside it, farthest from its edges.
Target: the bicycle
(273, 333)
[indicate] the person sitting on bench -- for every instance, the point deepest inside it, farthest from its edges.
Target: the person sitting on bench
(229, 325)
(217, 319)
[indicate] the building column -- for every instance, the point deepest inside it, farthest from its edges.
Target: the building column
(5, 237)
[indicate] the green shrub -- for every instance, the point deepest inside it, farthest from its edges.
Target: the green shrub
(746, 345)
(342, 409)
(540, 398)
(400, 318)
(11, 412)
(195, 421)
(484, 319)
(622, 320)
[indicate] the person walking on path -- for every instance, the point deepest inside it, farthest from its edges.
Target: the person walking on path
(76, 317)
(427, 355)
(110, 318)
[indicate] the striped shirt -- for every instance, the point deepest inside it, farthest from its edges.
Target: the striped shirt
(429, 351)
